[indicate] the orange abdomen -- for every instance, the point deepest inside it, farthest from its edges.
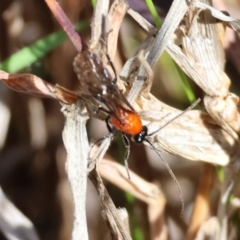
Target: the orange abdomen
(131, 122)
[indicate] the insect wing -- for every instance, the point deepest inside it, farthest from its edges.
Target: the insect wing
(96, 82)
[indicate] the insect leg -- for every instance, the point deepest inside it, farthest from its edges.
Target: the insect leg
(127, 152)
(99, 141)
(112, 66)
(108, 125)
(94, 144)
(100, 108)
(105, 41)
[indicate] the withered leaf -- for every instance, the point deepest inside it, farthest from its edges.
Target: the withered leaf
(28, 83)
(31, 84)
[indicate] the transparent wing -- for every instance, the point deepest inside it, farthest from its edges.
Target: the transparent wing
(95, 81)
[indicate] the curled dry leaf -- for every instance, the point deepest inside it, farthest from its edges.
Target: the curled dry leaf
(195, 135)
(140, 188)
(116, 15)
(33, 85)
(99, 22)
(201, 56)
(65, 95)
(114, 219)
(156, 45)
(28, 83)
(106, 25)
(227, 20)
(218, 103)
(147, 192)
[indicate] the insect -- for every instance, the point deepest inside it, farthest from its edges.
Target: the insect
(96, 82)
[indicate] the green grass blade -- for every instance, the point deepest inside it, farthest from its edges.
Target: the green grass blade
(154, 13)
(94, 2)
(187, 88)
(186, 85)
(30, 54)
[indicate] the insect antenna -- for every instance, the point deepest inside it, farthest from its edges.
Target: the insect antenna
(174, 118)
(127, 152)
(165, 162)
(171, 173)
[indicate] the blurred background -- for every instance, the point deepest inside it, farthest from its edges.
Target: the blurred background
(32, 155)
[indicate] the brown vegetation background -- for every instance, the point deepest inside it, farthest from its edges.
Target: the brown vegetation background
(32, 155)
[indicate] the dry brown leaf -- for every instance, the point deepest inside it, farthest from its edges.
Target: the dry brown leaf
(116, 14)
(99, 22)
(33, 85)
(202, 59)
(65, 95)
(28, 83)
(137, 186)
(114, 219)
(195, 135)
